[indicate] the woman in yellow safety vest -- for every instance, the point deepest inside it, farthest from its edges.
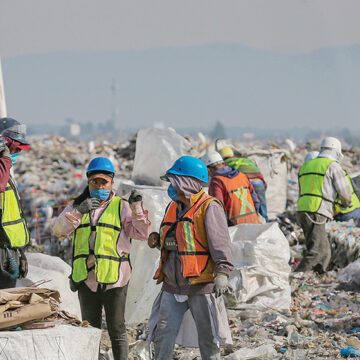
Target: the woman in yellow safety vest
(101, 225)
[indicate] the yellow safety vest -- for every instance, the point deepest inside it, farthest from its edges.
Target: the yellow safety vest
(354, 200)
(13, 230)
(108, 228)
(311, 181)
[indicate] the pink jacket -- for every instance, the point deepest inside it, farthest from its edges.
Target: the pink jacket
(135, 224)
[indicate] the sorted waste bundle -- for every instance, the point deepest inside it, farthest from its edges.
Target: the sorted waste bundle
(33, 308)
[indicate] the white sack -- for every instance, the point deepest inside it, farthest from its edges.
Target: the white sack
(350, 273)
(260, 254)
(272, 164)
(142, 289)
(263, 352)
(46, 267)
(63, 342)
(156, 151)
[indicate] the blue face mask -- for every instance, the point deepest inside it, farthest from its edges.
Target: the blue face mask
(101, 194)
(14, 157)
(172, 193)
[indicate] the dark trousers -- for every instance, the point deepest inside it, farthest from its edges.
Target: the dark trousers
(318, 250)
(113, 300)
(5, 281)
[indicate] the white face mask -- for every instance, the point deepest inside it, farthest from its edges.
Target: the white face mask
(339, 156)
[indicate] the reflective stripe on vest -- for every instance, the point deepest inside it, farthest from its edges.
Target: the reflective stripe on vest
(193, 249)
(14, 231)
(242, 209)
(311, 181)
(355, 202)
(108, 228)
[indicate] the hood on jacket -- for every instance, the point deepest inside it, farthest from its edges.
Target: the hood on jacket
(227, 171)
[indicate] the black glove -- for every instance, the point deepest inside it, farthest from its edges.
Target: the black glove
(87, 205)
(5, 152)
(23, 265)
(73, 285)
(135, 196)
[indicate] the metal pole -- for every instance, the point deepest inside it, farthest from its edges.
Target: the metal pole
(3, 112)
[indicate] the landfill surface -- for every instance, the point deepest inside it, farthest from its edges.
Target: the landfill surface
(323, 321)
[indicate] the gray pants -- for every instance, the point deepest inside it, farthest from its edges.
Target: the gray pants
(318, 250)
(170, 316)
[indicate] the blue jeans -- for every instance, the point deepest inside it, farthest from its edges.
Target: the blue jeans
(259, 188)
(355, 214)
(168, 325)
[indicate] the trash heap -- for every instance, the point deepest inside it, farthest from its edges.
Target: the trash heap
(321, 317)
(27, 308)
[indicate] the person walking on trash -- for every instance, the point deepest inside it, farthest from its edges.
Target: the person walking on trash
(101, 225)
(14, 234)
(321, 181)
(252, 171)
(233, 189)
(194, 264)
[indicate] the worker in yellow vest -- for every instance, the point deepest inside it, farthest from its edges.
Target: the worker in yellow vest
(101, 225)
(351, 212)
(14, 234)
(321, 180)
(194, 264)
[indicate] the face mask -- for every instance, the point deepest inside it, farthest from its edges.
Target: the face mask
(172, 193)
(14, 157)
(101, 194)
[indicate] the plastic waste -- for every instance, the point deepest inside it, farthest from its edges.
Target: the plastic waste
(262, 352)
(349, 351)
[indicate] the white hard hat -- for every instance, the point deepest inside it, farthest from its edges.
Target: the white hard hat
(311, 155)
(212, 158)
(331, 143)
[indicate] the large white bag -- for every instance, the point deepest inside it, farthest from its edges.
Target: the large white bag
(273, 166)
(260, 254)
(142, 289)
(156, 151)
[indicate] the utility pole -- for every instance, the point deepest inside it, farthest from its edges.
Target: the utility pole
(3, 112)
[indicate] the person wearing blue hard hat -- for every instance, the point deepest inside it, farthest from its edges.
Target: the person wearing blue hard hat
(101, 225)
(194, 263)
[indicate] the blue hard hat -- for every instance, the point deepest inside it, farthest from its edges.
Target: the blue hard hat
(100, 165)
(189, 166)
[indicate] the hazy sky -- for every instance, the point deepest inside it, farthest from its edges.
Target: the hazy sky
(32, 26)
(59, 58)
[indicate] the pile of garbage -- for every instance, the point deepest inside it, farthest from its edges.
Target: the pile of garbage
(270, 319)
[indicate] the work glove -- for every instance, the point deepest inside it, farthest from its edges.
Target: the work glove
(221, 284)
(12, 269)
(88, 205)
(135, 196)
(154, 240)
(23, 265)
(5, 151)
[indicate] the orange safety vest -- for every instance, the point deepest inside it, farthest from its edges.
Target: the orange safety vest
(242, 209)
(193, 249)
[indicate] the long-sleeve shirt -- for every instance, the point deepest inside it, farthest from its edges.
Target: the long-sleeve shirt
(218, 238)
(218, 190)
(135, 224)
(5, 166)
(335, 183)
